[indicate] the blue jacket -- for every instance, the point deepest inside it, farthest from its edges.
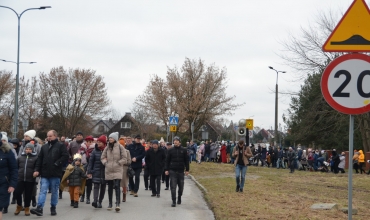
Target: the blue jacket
(137, 151)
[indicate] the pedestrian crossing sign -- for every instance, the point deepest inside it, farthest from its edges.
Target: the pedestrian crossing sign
(174, 120)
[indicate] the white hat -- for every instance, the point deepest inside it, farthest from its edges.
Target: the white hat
(4, 137)
(30, 133)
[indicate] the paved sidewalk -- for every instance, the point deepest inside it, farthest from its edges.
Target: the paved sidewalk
(143, 207)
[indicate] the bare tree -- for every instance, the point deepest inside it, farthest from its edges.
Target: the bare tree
(195, 92)
(7, 85)
(72, 98)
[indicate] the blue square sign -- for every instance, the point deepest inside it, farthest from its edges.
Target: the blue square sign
(174, 120)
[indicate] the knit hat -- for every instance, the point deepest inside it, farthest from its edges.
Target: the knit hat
(114, 135)
(122, 141)
(168, 143)
(30, 133)
(89, 138)
(138, 136)
(155, 142)
(176, 138)
(29, 145)
(4, 137)
(102, 139)
(79, 133)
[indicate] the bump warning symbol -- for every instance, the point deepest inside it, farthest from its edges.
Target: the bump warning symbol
(352, 34)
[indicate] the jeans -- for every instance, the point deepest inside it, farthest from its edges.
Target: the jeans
(155, 183)
(177, 179)
(240, 171)
(135, 186)
(206, 157)
(54, 183)
(279, 163)
(192, 157)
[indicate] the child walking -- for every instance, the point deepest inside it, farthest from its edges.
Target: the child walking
(26, 167)
(75, 177)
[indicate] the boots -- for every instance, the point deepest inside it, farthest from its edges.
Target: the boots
(18, 210)
(53, 210)
(179, 200)
(33, 199)
(124, 192)
(118, 195)
(37, 211)
(27, 211)
(60, 194)
(173, 203)
(94, 204)
(82, 198)
(110, 195)
(87, 200)
(72, 203)
(99, 206)
(75, 205)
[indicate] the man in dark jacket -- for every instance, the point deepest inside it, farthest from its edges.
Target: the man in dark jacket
(291, 158)
(50, 166)
(154, 160)
(176, 162)
(137, 152)
(207, 151)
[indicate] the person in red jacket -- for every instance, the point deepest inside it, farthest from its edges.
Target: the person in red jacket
(223, 153)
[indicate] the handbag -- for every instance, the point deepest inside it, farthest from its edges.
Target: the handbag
(130, 172)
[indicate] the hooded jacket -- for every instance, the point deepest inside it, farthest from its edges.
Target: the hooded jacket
(8, 173)
(26, 166)
(113, 158)
(361, 157)
(96, 168)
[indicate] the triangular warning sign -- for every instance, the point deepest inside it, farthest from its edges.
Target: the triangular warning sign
(352, 34)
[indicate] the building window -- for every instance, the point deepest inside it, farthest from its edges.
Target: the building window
(125, 124)
(101, 128)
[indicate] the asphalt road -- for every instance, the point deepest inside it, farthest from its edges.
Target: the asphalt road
(143, 207)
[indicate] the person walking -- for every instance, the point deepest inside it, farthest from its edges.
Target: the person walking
(113, 158)
(361, 161)
(154, 160)
(50, 166)
(223, 153)
(9, 174)
(167, 177)
(26, 181)
(96, 171)
(125, 179)
(342, 163)
(176, 162)
(291, 158)
(137, 153)
(74, 177)
(241, 153)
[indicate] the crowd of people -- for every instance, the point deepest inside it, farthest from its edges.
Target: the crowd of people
(84, 165)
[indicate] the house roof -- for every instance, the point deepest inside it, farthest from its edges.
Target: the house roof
(108, 122)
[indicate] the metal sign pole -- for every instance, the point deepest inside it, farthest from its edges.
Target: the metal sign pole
(350, 169)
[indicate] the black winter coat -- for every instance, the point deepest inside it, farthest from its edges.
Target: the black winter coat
(177, 159)
(8, 173)
(155, 161)
(137, 151)
(51, 159)
(26, 167)
(75, 178)
(96, 168)
(207, 149)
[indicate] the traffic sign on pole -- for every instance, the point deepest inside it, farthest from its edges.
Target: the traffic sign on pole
(345, 84)
(250, 133)
(352, 34)
(249, 124)
(173, 128)
(174, 120)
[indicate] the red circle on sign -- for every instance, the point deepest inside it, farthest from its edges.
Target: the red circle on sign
(325, 89)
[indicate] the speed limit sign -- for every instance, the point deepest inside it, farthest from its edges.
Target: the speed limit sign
(345, 84)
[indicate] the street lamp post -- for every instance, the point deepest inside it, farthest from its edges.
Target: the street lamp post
(276, 102)
(15, 129)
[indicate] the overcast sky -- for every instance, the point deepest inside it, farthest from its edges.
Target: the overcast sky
(127, 41)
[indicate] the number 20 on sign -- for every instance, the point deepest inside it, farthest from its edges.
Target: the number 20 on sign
(345, 84)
